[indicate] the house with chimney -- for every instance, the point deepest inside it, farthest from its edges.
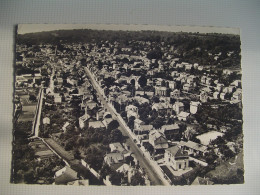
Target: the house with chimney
(159, 142)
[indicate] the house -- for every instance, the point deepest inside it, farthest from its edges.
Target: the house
(64, 127)
(186, 87)
(131, 110)
(161, 91)
(91, 105)
(236, 83)
(194, 107)
(203, 96)
(219, 86)
(114, 158)
(216, 95)
(195, 65)
(223, 96)
(175, 158)
(237, 95)
(170, 131)
(138, 123)
(99, 114)
(124, 168)
(82, 120)
(193, 148)
(158, 141)
(143, 132)
(227, 71)
(203, 79)
(73, 82)
(60, 81)
(117, 147)
(96, 125)
(140, 93)
(141, 100)
(175, 94)
(65, 175)
(46, 121)
(172, 84)
(57, 98)
(200, 68)
(178, 107)
(183, 116)
(208, 81)
(161, 107)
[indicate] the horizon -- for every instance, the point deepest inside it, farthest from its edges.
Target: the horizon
(36, 28)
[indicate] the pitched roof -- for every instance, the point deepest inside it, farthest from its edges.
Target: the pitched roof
(194, 145)
(124, 168)
(96, 124)
(84, 117)
(146, 127)
(65, 175)
(170, 127)
(175, 151)
(183, 114)
(114, 157)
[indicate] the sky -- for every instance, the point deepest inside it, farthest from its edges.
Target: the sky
(32, 28)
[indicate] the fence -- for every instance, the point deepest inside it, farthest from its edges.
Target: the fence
(93, 171)
(199, 161)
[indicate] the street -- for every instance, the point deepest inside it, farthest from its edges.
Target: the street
(144, 163)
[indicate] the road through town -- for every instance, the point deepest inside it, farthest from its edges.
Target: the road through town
(144, 162)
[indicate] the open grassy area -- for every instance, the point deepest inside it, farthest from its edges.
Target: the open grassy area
(230, 171)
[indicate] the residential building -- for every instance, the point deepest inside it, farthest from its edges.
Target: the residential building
(170, 131)
(161, 91)
(194, 107)
(158, 141)
(183, 116)
(83, 119)
(178, 107)
(175, 158)
(65, 175)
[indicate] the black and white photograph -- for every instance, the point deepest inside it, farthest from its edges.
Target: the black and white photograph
(127, 105)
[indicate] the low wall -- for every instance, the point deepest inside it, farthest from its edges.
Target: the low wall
(199, 161)
(93, 171)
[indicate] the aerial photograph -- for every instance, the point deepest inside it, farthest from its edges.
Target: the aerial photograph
(127, 107)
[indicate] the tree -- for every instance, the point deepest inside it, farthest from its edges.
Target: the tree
(29, 177)
(113, 125)
(116, 177)
(76, 153)
(116, 136)
(129, 160)
(32, 98)
(131, 122)
(105, 170)
(155, 54)
(142, 81)
(137, 179)
(69, 145)
(158, 123)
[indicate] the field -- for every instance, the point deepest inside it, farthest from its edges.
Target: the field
(230, 171)
(28, 110)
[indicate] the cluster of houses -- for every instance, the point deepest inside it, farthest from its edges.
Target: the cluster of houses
(186, 81)
(183, 81)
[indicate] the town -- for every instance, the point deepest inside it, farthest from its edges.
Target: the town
(136, 108)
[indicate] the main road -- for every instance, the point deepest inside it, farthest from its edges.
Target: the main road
(145, 163)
